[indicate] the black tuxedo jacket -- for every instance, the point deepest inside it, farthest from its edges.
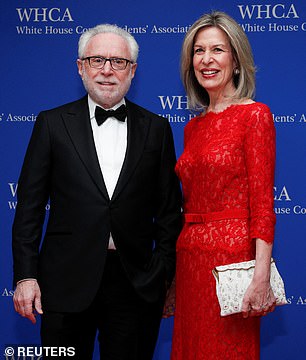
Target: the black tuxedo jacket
(144, 214)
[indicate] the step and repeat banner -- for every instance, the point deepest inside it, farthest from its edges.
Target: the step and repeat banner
(38, 71)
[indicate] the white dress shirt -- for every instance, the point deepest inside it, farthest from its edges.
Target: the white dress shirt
(110, 141)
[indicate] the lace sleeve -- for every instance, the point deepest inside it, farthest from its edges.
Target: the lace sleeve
(260, 163)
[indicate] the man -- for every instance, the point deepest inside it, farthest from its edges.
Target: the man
(108, 253)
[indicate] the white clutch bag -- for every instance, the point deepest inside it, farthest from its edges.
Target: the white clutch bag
(233, 280)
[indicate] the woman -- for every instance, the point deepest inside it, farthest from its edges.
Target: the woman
(227, 173)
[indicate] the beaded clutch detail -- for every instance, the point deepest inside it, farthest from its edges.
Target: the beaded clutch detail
(233, 280)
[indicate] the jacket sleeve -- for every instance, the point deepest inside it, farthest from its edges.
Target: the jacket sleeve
(32, 197)
(168, 220)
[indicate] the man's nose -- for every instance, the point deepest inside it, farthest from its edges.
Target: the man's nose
(107, 68)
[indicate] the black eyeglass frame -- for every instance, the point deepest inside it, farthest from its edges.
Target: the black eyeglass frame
(88, 58)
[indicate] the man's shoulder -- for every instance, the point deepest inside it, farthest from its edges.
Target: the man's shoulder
(70, 106)
(141, 111)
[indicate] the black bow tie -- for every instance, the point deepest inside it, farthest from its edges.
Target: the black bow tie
(101, 114)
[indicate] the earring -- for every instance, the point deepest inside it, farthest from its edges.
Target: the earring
(236, 71)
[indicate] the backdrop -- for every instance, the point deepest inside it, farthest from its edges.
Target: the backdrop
(38, 71)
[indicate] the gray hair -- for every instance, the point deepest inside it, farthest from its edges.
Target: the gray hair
(108, 28)
(242, 53)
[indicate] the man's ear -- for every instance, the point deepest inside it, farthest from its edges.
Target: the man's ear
(80, 67)
(133, 70)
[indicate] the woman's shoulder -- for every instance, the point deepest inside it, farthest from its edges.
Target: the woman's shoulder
(253, 106)
(259, 106)
(193, 121)
(259, 114)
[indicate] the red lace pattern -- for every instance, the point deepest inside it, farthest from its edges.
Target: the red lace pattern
(228, 163)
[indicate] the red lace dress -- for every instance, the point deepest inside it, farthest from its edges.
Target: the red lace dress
(227, 164)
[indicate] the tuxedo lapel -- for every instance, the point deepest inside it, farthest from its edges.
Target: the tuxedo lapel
(77, 123)
(138, 127)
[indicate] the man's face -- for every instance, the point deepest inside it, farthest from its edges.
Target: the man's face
(106, 86)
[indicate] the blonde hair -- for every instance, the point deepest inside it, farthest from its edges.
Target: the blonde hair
(242, 53)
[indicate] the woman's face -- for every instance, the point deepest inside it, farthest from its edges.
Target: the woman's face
(213, 61)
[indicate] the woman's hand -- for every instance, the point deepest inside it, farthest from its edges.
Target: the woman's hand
(259, 299)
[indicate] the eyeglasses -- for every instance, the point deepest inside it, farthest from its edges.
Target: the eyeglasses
(98, 62)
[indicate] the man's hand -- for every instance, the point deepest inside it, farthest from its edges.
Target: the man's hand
(27, 299)
(169, 306)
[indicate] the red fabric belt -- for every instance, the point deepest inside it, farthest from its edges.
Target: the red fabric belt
(218, 215)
